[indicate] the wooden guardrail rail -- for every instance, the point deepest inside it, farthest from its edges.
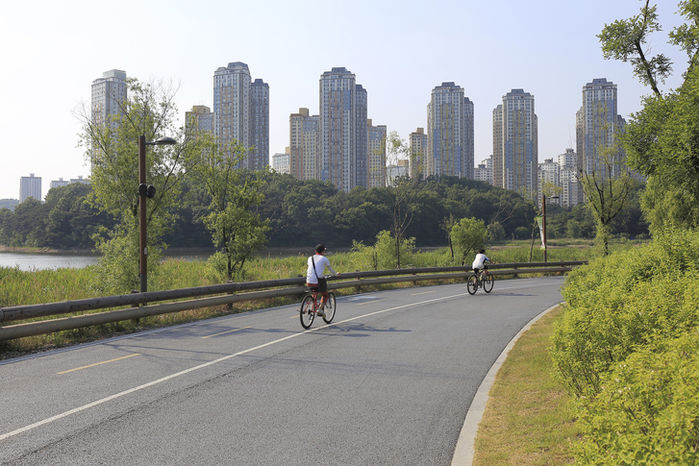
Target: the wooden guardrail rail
(162, 302)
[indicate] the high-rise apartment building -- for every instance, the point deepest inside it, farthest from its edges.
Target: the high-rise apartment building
(343, 130)
(199, 120)
(304, 145)
(109, 95)
(450, 132)
(549, 173)
(376, 160)
(568, 178)
(598, 126)
(259, 118)
(280, 163)
(515, 143)
(418, 153)
(361, 134)
(29, 186)
(484, 171)
(241, 113)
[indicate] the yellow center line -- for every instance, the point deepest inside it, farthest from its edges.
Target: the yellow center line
(424, 292)
(227, 331)
(98, 363)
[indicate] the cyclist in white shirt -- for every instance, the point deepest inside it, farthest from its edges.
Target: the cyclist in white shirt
(314, 274)
(480, 261)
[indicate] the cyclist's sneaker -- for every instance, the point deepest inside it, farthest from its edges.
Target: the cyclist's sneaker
(320, 313)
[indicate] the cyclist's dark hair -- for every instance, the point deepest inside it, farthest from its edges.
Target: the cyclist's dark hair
(482, 251)
(320, 248)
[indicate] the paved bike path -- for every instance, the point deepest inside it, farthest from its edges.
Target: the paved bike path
(389, 382)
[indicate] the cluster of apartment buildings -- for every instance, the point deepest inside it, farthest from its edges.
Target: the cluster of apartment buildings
(514, 163)
(343, 146)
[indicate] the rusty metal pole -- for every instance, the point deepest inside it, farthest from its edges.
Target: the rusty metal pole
(143, 240)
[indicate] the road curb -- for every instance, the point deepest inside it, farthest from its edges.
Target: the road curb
(465, 445)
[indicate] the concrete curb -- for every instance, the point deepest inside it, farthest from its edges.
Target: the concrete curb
(465, 445)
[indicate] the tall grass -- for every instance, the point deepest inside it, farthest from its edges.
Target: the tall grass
(43, 286)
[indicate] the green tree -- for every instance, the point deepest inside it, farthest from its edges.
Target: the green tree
(231, 218)
(402, 193)
(72, 220)
(112, 150)
(468, 236)
(662, 140)
(606, 190)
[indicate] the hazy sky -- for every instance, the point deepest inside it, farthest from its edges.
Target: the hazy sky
(399, 51)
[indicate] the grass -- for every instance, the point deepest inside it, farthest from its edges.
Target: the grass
(529, 416)
(44, 286)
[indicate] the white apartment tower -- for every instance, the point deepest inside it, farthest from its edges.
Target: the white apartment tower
(450, 132)
(241, 113)
(29, 186)
(376, 160)
(304, 145)
(199, 120)
(418, 151)
(599, 125)
(259, 118)
(515, 143)
(570, 190)
(343, 130)
(548, 173)
(109, 95)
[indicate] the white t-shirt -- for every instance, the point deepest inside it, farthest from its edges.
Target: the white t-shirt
(479, 261)
(320, 263)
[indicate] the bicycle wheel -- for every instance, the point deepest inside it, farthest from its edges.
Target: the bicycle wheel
(307, 313)
(472, 284)
(330, 307)
(487, 281)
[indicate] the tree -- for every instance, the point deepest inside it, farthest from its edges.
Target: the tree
(236, 228)
(111, 147)
(402, 193)
(606, 193)
(662, 140)
(625, 40)
(468, 236)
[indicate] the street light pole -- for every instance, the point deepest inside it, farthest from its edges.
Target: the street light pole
(144, 192)
(143, 239)
(543, 228)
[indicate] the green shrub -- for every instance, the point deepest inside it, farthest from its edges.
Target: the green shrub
(647, 411)
(621, 302)
(383, 254)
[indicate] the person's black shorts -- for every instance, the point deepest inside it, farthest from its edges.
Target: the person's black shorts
(322, 285)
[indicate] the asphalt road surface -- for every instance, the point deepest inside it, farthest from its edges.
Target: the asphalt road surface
(389, 382)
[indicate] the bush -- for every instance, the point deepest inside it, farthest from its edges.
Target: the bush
(383, 254)
(648, 408)
(626, 300)
(628, 347)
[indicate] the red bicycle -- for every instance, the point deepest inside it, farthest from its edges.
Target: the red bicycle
(310, 307)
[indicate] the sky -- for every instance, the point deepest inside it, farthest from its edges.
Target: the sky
(398, 50)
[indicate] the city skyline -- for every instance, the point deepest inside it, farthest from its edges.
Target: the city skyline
(554, 63)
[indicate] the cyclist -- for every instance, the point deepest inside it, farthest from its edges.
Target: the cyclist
(479, 263)
(314, 275)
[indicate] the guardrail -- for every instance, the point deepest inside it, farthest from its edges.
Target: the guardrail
(162, 302)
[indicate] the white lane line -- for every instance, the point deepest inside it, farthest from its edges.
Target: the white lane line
(207, 364)
(423, 292)
(98, 363)
(226, 332)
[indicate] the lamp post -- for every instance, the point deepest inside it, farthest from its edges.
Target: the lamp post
(543, 212)
(145, 191)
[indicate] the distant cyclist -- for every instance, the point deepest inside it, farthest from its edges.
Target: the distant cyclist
(315, 274)
(479, 263)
